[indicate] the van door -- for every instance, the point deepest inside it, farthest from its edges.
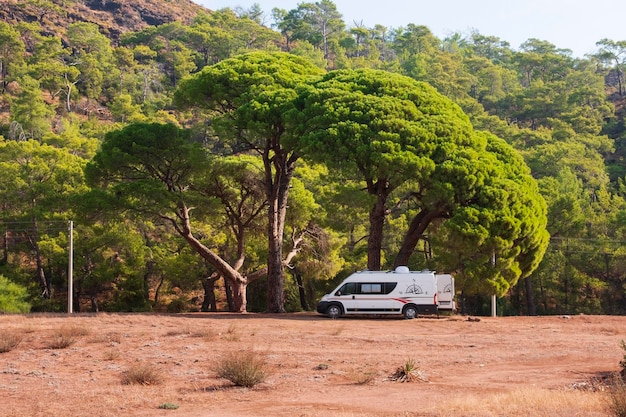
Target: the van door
(346, 294)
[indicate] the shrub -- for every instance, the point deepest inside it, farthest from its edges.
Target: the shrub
(168, 406)
(408, 373)
(13, 297)
(66, 337)
(617, 396)
(178, 305)
(244, 369)
(9, 341)
(142, 374)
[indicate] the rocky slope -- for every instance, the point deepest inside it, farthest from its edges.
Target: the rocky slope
(114, 17)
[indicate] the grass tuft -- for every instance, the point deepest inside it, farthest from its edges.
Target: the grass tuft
(142, 374)
(617, 396)
(9, 341)
(244, 369)
(409, 372)
(168, 406)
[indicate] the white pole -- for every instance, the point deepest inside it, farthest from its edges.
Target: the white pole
(70, 272)
(493, 297)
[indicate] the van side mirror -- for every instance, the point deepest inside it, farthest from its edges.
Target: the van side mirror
(338, 293)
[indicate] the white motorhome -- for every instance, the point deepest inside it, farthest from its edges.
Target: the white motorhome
(445, 292)
(389, 292)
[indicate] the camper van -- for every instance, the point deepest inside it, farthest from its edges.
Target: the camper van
(445, 292)
(401, 291)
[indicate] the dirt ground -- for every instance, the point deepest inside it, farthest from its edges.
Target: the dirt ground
(513, 366)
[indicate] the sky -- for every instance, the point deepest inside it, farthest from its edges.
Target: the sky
(568, 24)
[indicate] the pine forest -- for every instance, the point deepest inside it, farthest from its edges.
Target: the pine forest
(249, 160)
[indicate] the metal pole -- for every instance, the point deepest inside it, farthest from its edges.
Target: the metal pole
(493, 306)
(70, 272)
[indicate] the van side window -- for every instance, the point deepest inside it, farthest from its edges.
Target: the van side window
(389, 286)
(347, 289)
(372, 288)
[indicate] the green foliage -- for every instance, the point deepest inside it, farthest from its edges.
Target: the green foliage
(551, 107)
(178, 305)
(13, 297)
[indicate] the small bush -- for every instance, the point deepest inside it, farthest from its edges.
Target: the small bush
(13, 297)
(244, 369)
(66, 337)
(111, 355)
(178, 305)
(231, 334)
(617, 396)
(142, 374)
(9, 341)
(408, 373)
(623, 361)
(168, 406)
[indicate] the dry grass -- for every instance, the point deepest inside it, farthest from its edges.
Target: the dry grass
(484, 369)
(534, 402)
(111, 354)
(244, 369)
(338, 330)
(362, 376)
(231, 334)
(142, 374)
(617, 396)
(9, 340)
(66, 336)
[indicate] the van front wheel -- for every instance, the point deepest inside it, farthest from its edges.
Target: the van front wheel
(333, 311)
(410, 312)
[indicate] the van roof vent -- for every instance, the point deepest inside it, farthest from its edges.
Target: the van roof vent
(402, 269)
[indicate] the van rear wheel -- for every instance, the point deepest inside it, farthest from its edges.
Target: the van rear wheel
(333, 311)
(410, 312)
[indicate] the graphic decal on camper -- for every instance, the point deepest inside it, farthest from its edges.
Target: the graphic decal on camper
(414, 289)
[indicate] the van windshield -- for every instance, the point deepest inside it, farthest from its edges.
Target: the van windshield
(347, 289)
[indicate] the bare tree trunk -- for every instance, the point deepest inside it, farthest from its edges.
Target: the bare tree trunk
(375, 238)
(416, 230)
(377, 223)
(301, 291)
(279, 171)
(530, 303)
(209, 303)
(44, 284)
(234, 278)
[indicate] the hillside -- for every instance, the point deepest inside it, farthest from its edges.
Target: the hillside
(114, 17)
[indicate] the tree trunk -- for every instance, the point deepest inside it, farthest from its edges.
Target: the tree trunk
(530, 303)
(416, 231)
(279, 171)
(209, 303)
(237, 281)
(377, 223)
(301, 291)
(239, 296)
(44, 284)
